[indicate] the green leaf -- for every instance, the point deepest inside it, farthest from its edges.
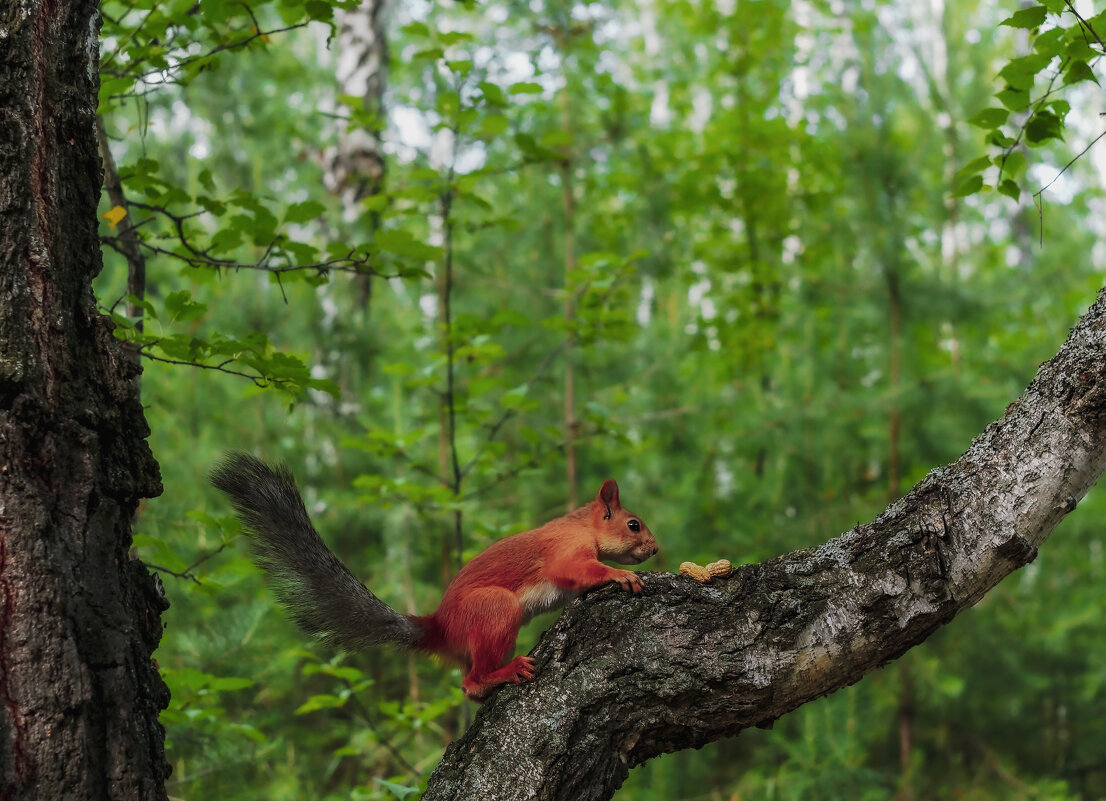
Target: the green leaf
(318, 10)
(416, 29)
(1014, 164)
(971, 168)
(1079, 47)
(493, 124)
(344, 672)
(320, 701)
(180, 346)
(1020, 73)
(597, 258)
(510, 317)
(402, 243)
(145, 305)
(529, 146)
(1010, 189)
(555, 137)
(453, 37)
(482, 385)
(303, 212)
(113, 87)
(217, 11)
(212, 205)
(225, 240)
(1042, 126)
(1026, 18)
(249, 731)
(447, 103)
(301, 253)
(377, 202)
(180, 306)
(398, 790)
(1059, 107)
(493, 94)
(969, 186)
(989, 118)
(525, 88)
(397, 369)
(324, 385)
(461, 66)
(1051, 42)
(1014, 99)
(1079, 71)
(517, 399)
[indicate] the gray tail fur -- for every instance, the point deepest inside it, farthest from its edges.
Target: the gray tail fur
(319, 592)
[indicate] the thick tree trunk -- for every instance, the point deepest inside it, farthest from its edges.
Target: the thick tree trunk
(622, 679)
(79, 694)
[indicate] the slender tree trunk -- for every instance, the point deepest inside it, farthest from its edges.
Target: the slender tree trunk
(356, 167)
(79, 618)
(571, 424)
(448, 460)
(906, 710)
(894, 413)
(622, 679)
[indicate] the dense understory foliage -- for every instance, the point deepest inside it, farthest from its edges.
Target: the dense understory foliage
(733, 254)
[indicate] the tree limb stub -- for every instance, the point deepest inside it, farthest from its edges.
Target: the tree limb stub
(623, 679)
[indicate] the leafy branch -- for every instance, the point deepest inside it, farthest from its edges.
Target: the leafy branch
(158, 49)
(267, 367)
(1073, 50)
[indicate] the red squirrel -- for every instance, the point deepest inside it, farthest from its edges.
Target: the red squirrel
(479, 616)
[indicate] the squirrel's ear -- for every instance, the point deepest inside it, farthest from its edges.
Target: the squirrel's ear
(608, 494)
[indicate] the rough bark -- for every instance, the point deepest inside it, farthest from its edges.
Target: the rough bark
(623, 679)
(79, 693)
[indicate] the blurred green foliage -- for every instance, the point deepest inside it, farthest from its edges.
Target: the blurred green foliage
(784, 294)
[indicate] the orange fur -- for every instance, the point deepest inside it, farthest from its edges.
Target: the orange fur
(478, 619)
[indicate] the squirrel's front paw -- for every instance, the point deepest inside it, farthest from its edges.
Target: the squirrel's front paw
(629, 581)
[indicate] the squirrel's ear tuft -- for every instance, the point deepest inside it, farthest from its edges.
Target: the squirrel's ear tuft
(608, 494)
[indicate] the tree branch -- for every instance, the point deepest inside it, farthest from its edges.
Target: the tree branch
(623, 679)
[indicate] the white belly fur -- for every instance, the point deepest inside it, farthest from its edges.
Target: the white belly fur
(543, 597)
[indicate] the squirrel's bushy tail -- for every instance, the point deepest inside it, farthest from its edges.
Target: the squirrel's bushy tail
(320, 593)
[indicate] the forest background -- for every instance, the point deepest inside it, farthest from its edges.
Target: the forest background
(456, 264)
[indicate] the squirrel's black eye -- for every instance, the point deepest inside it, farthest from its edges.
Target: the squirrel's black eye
(633, 525)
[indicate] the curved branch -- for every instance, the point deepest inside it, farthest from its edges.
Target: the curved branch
(622, 679)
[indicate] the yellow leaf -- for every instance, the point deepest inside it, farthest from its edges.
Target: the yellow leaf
(114, 215)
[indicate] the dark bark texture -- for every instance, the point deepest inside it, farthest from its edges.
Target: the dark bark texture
(79, 693)
(622, 679)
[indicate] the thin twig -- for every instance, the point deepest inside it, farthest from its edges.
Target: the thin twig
(1086, 26)
(367, 719)
(258, 380)
(1038, 201)
(493, 430)
(187, 572)
(1066, 166)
